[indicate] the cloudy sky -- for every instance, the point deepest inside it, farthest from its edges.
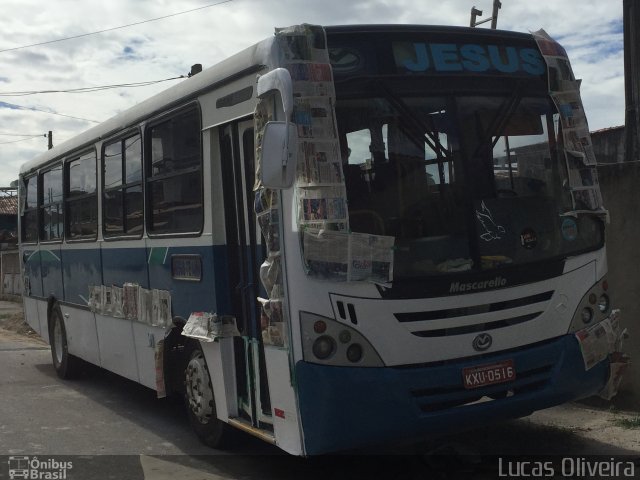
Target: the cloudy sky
(590, 30)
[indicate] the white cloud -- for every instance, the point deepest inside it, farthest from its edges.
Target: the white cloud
(590, 30)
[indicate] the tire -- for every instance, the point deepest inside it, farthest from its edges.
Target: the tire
(200, 403)
(66, 365)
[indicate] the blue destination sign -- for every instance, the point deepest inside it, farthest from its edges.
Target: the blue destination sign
(469, 58)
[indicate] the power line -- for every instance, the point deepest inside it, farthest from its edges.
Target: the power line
(20, 135)
(60, 114)
(115, 28)
(20, 107)
(89, 89)
(24, 139)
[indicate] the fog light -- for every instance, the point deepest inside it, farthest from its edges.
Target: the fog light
(354, 353)
(587, 315)
(603, 303)
(324, 347)
(345, 336)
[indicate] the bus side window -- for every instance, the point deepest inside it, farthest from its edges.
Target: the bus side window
(174, 155)
(82, 205)
(30, 213)
(51, 212)
(122, 210)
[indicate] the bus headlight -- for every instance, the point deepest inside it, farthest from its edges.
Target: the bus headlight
(594, 307)
(329, 342)
(324, 347)
(354, 353)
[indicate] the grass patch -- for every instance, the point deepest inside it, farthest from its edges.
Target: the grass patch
(633, 422)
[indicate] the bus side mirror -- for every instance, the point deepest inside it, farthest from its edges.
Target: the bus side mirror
(280, 139)
(279, 148)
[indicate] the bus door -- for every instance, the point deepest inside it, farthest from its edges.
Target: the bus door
(246, 253)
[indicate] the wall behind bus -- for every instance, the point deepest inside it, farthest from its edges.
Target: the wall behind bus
(619, 183)
(608, 144)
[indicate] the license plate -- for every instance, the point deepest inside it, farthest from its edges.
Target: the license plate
(483, 375)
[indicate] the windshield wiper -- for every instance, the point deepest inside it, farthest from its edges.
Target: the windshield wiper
(423, 132)
(602, 213)
(499, 122)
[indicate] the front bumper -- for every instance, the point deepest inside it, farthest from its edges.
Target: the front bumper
(346, 407)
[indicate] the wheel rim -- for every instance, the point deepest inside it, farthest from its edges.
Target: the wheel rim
(198, 384)
(57, 339)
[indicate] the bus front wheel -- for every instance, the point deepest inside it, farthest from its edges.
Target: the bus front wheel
(66, 365)
(200, 403)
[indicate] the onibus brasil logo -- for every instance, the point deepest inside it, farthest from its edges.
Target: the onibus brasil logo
(35, 469)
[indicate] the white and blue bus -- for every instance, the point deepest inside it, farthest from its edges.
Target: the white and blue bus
(341, 236)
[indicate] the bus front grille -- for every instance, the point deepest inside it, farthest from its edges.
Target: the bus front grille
(418, 323)
(477, 327)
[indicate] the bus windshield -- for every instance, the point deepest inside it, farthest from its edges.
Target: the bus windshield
(464, 182)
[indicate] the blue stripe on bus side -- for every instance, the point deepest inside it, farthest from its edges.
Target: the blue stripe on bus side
(51, 271)
(32, 271)
(122, 265)
(210, 294)
(81, 268)
(68, 273)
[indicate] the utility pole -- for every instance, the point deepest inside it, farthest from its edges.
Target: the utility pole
(475, 13)
(631, 23)
(494, 15)
(50, 136)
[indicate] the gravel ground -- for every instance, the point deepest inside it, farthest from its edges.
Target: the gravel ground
(12, 319)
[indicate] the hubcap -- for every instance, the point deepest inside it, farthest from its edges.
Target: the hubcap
(57, 339)
(199, 392)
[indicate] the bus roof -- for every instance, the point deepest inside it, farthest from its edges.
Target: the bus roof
(403, 28)
(245, 62)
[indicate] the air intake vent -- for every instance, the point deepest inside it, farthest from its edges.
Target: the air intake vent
(352, 312)
(511, 313)
(478, 327)
(474, 310)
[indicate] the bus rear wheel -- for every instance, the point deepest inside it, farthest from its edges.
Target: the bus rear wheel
(66, 365)
(200, 403)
